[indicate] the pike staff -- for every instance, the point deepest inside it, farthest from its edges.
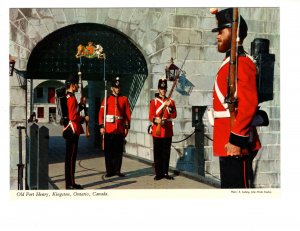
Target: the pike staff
(91, 51)
(105, 102)
(83, 100)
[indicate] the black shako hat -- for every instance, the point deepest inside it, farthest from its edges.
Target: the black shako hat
(72, 79)
(225, 19)
(162, 84)
(116, 82)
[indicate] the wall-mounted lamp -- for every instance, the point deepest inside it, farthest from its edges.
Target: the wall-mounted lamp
(171, 71)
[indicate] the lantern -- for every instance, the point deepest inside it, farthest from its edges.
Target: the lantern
(171, 71)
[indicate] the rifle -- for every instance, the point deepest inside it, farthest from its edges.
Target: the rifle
(83, 100)
(105, 104)
(158, 127)
(231, 99)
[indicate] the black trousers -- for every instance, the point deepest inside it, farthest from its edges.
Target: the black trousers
(70, 159)
(237, 172)
(113, 152)
(162, 150)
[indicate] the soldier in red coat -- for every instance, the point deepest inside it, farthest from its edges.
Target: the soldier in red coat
(115, 129)
(235, 146)
(72, 130)
(162, 142)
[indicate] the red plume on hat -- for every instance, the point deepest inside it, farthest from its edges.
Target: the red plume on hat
(213, 10)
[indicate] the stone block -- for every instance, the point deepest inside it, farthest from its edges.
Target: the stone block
(267, 180)
(209, 53)
(139, 15)
(148, 141)
(209, 39)
(175, 153)
(208, 153)
(207, 23)
(131, 137)
(274, 125)
(272, 152)
(254, 26)
(200, 98)
(136, 112)
(188, 11)
(144, 152)
(180, 100)
(186, 36)
(140, 139)
(202, 82)
(17, 97)
(269, 138)
(114, 13)
(182, 21)
(126, 14)
(150, 49)
(14, 14)
(137, 126)
(59, 15)
(145, 124)
(182, 126)
(18, 113)
(145, 109)
(187, 112)
(187, 53)
(158, 69)
(131, 149)
(212, 168)
(162, 23)
(14, 151)
(266, 166)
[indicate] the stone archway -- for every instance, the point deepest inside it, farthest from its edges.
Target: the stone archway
(54, 57)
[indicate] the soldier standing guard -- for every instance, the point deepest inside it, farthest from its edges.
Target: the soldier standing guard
(236, 142)
(162, 142)
(115, 129)
(72, 130)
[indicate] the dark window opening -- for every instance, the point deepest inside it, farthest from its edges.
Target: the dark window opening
(40, 112)
(39, 92)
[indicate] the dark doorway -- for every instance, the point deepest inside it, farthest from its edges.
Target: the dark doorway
(52, 114)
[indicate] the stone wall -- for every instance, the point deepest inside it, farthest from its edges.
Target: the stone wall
(17, 117)
(162, 33)
(188, 34)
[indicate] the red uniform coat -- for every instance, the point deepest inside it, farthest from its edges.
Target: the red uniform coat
(241, 134)
(74, 114)
(156, 106)
(117, 114)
